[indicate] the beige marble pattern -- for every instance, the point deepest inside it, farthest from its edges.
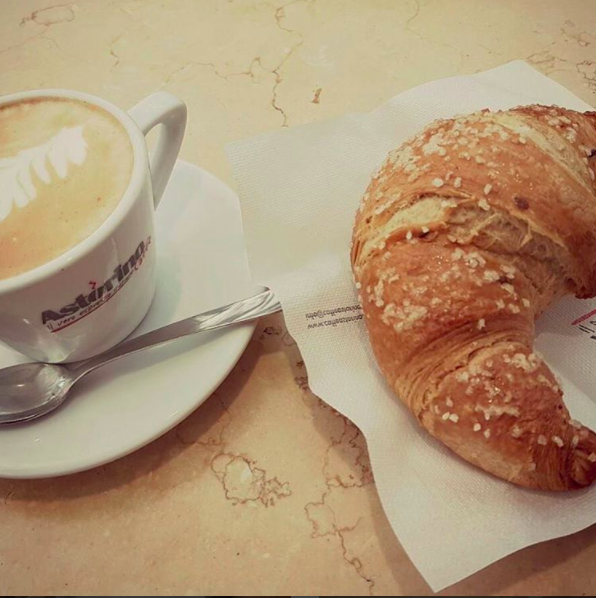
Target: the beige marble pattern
(264, 490)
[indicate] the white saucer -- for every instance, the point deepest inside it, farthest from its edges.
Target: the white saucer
(202, 264)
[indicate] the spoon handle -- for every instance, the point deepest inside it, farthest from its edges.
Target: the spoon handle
(245, 310)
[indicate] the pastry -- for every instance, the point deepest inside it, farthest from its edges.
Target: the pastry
(465, 235)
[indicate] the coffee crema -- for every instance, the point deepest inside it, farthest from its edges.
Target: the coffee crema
(64, 166)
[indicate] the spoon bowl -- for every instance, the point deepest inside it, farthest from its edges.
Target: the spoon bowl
(31, 390)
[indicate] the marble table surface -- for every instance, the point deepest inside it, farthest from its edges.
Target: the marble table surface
(264, 490)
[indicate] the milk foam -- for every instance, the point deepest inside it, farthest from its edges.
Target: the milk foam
(64, 167)
(66, 148)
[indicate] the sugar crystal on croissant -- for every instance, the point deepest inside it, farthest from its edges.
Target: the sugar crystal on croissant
(466, 234)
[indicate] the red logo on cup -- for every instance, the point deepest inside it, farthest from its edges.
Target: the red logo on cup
(86, 303)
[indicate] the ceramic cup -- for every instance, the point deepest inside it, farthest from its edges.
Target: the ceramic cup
(94, 295)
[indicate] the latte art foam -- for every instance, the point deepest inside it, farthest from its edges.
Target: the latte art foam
(64, 166)
(16, 174)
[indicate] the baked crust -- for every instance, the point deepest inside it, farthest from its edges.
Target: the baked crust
(465, 235)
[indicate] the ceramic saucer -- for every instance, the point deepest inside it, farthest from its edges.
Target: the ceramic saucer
(118, 409)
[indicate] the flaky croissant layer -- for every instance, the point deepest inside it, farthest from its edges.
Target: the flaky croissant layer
(465, 235)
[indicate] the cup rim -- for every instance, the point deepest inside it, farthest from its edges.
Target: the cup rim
(114, 220)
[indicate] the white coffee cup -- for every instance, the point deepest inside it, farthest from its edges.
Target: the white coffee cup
(104, 286)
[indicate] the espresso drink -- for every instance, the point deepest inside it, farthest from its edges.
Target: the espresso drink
(64, 166)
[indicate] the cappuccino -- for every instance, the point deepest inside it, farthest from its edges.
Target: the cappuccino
(64, 166)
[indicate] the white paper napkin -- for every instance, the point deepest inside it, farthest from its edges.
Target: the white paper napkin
(299, 190)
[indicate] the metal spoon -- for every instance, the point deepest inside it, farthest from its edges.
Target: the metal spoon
(32, 390)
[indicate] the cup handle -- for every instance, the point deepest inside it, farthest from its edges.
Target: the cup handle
(164, 109)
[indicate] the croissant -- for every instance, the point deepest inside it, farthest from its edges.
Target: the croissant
(465, 235)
